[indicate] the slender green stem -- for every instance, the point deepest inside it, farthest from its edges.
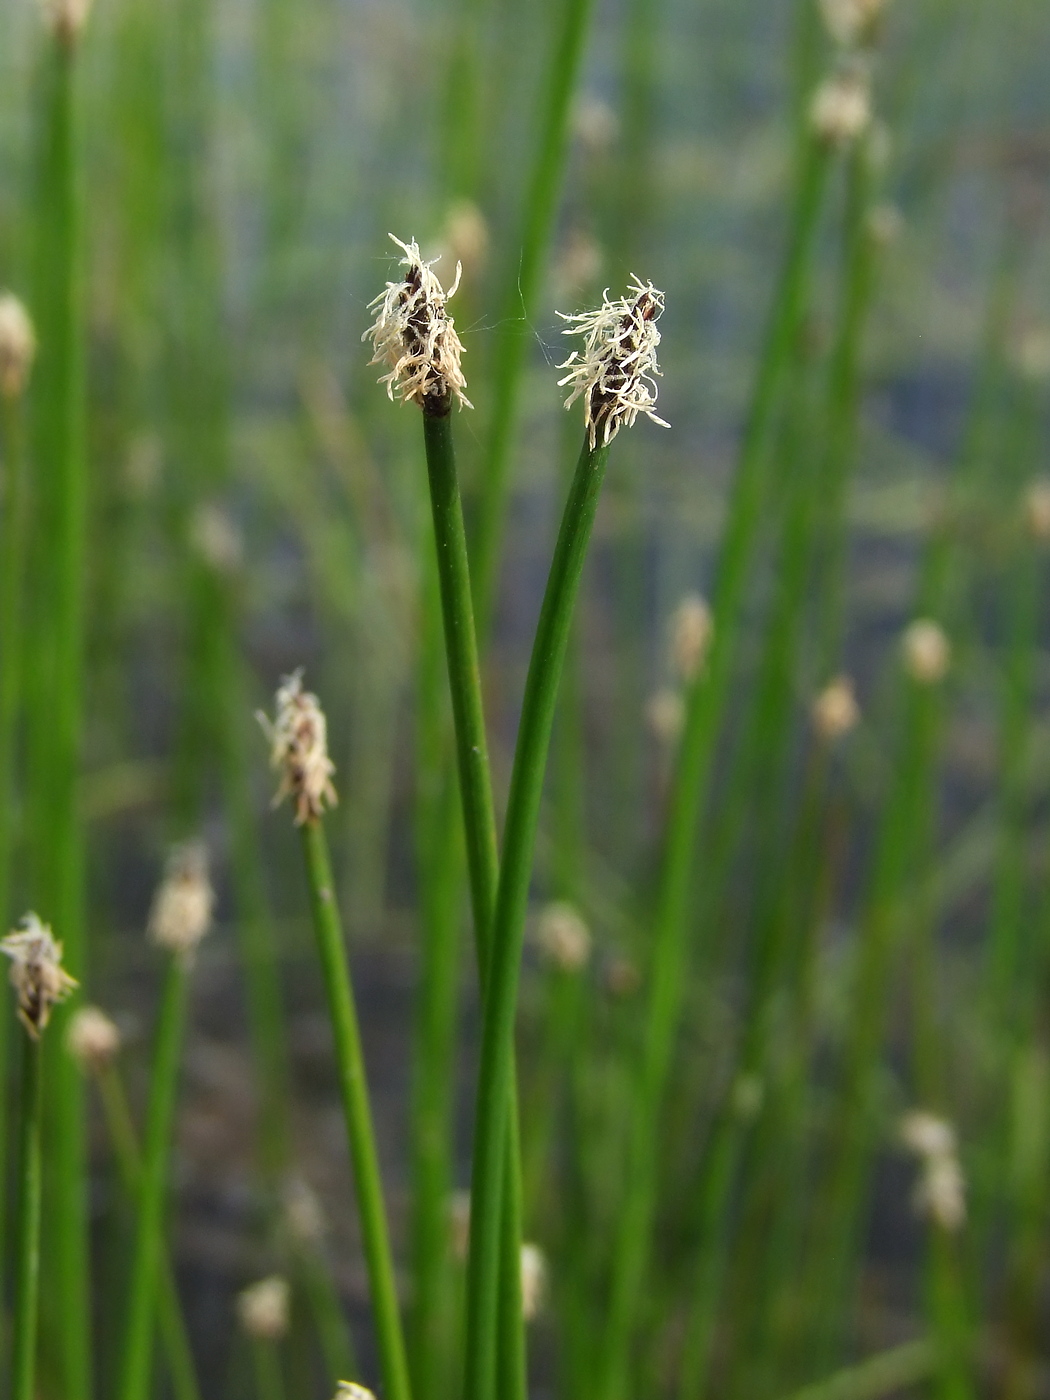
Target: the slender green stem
(170, 1320)
(479, 822)
(27, 1227)
(523, 284)
(358, 1114)
(705, 709)
(526, 788)
(56, 657)
(136, 1363)
(266, 1362)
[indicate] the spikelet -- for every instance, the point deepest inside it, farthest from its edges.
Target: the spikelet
(17, 346)
(262, 1309)
(415, 337)
(182, 906)
(927, 651)
(37, 974)
(92, 1039)
(616, 371)
(298, 737)
(835, 710)
(563, 937)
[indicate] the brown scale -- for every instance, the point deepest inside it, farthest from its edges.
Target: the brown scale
(417, 334)
(604, 400)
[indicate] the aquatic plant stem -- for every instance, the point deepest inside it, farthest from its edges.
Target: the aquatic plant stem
(128, 1157)
(526, 789)
(56, 658)
(705, 708)
(357, 1112)
(27, 1227)
(479, 823)
(148, 1254)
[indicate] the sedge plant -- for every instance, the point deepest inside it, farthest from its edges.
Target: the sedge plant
(614, 375)
(299, 752)
(40, 983)
(179, 919)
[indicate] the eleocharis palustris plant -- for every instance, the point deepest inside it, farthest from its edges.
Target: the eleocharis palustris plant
(55, 635)
(17, 348)
(179, 919)
(299, 752)
(40, 982)
(416, 339)
(93, 1041)
(614, 374)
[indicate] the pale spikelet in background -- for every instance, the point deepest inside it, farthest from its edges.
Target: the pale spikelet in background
(563, 937)
(616, 371)
(835, 710)
(851, 22)
(665, 715)
(66, 18)
(37, 974)
(262, 1309)
(533, 1280)
(692, 628)
(1037, 509)
(303, 1214)
(594, 124)
(465, 237)
(940, 1193)
(298, 737)
(92, 1039)
(414, 336)
(17, 346)
(215, 537)
(927, 651)
(183, 904)
(1031, 353)
(841, 107)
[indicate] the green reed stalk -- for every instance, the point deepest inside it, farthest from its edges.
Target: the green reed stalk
(706, 704)
(521, 298)
(353, 1088)
(56, 654)
(496, 1072)
(876, 1376)
(479, 824)
(27, 1227)
(149, 1250)
(170, 1321)
(266, 1364)
(12, 572)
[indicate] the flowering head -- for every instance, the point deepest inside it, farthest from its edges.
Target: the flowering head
(92, 1039)
(298, 737)
(615, 373)
(415, 337)
(17, 346)
(37, 974)
(182, 906)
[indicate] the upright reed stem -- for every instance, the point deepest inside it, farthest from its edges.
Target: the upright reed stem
(479, 821)
(354, 1090)
(27, 1227)
(526, 789)
(136, 1366)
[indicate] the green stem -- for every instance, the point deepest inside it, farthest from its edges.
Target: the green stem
(882, 1374)
(170, 1320)
(136, 1365)
(354, 1090)
(479, 822)
(526, 789)
(266, 1362)
(27, 1228)
(56, 639)
(523, 287)
(705, 709)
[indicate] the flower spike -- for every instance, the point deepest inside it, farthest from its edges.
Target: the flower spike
(416, 338)
(298, 738)
(37, 974)
(616, 370)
